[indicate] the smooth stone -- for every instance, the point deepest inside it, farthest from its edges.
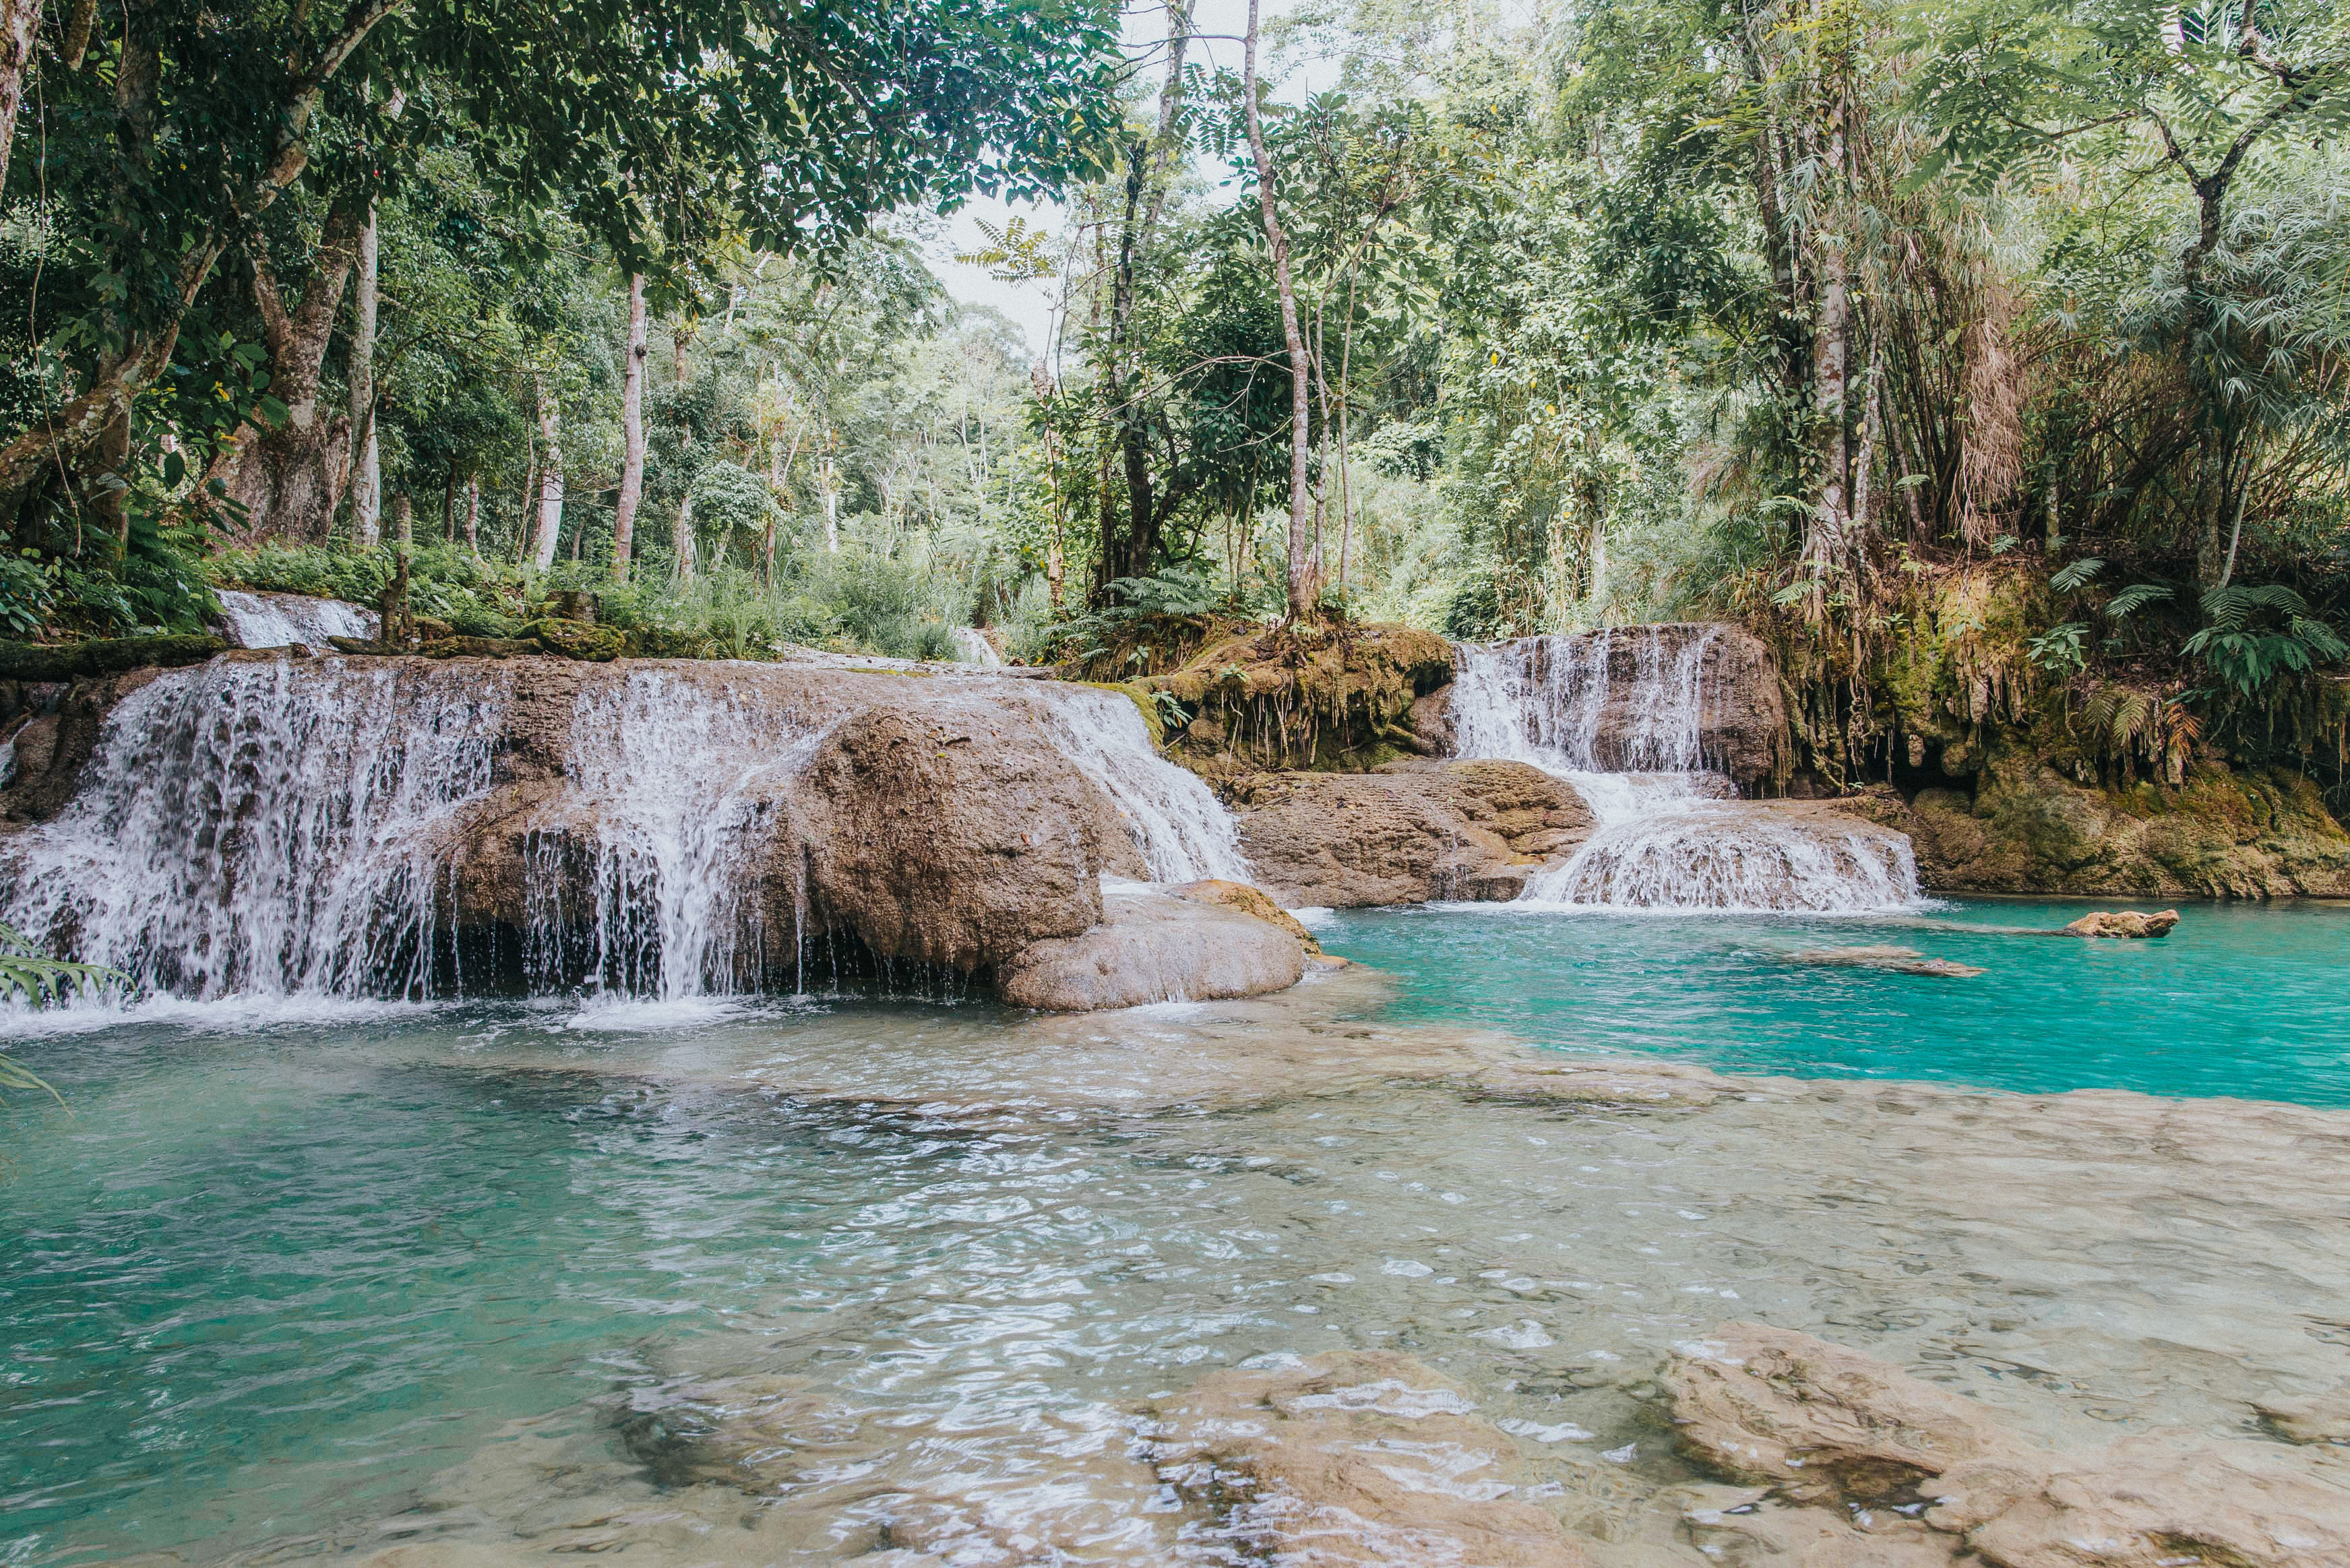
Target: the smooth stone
(1153, 948)
(2123, 923)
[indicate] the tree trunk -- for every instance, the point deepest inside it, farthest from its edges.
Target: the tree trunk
(289, 479)
(1304, 570)
(20, 21)
(1825, 548)
(681, 341)
(632, 430)
(550, 480)
(685, 549)
(449, 509)
(366, 472)
(1871, 426)
(403, 515)
(474, 513)
(831, 499)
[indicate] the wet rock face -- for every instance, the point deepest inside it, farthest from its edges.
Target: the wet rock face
(1858, 1449)
(2026, 828)
(1406, 832)
(1152, 947)
(934, 821)
(742, 808)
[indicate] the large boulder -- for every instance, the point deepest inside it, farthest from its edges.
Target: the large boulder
(1406, 832)
(1153, 948)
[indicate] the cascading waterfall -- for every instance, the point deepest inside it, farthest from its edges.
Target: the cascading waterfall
(264, 829)
(1671, 833)
(680, 776)
(291, 620)
(1183, 831)
(293, 827)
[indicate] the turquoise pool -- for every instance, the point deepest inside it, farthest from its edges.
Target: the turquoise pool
(286, 1288)
(2243, 1000)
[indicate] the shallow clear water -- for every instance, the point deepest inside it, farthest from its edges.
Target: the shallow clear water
(432, 1279)
(2243, 1000)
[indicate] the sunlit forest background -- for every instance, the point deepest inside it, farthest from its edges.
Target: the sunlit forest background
(2010, 321)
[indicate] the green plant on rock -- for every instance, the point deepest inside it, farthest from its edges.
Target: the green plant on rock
(31, 976)
(2258, 633)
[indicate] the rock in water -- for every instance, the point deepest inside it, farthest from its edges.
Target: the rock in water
(2123, 923)
(1836, 1434)
(1897, 960)
(1253, 902)
(1408, 831)
(1151, 948)
(1356, 1458)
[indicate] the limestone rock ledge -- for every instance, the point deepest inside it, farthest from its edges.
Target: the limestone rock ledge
(1406, 832)
(1151, 947)
(2028, 829)
(1865, 1463)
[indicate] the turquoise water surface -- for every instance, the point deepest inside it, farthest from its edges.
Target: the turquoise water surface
(272, 1275)
(2243, 1000)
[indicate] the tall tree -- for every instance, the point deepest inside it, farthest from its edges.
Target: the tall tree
(1303, 579)
(632, 432)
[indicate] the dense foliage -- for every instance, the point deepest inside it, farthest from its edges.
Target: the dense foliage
(2003, 338)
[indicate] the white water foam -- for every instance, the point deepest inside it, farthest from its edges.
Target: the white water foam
(1181, 830)
(262, 829)
(684, 780)
(1672, 837)
(291, 620)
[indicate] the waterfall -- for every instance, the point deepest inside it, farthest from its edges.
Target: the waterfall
(291, 620)
(680, 776)
(1671, 833)
(320, 828)
(1181, 830)
(263, 828)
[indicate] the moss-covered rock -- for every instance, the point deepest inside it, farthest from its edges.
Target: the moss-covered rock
(108, 656)
(1331, 697)
(578, 640)
(2028, 829)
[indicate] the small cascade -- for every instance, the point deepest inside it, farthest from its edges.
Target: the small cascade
(973, 645)
(291, 620)
(263, 828)
(1622, 716)
(685, 779)
(1183, 831)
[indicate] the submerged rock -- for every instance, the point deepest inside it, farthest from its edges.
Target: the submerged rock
(1406, 832)
(2123, 923)
(1354, 1457)
(1828, 1428)
(1152, 947)
(1897, 960)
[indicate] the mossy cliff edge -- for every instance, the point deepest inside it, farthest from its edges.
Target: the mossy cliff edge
(2013, 771)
